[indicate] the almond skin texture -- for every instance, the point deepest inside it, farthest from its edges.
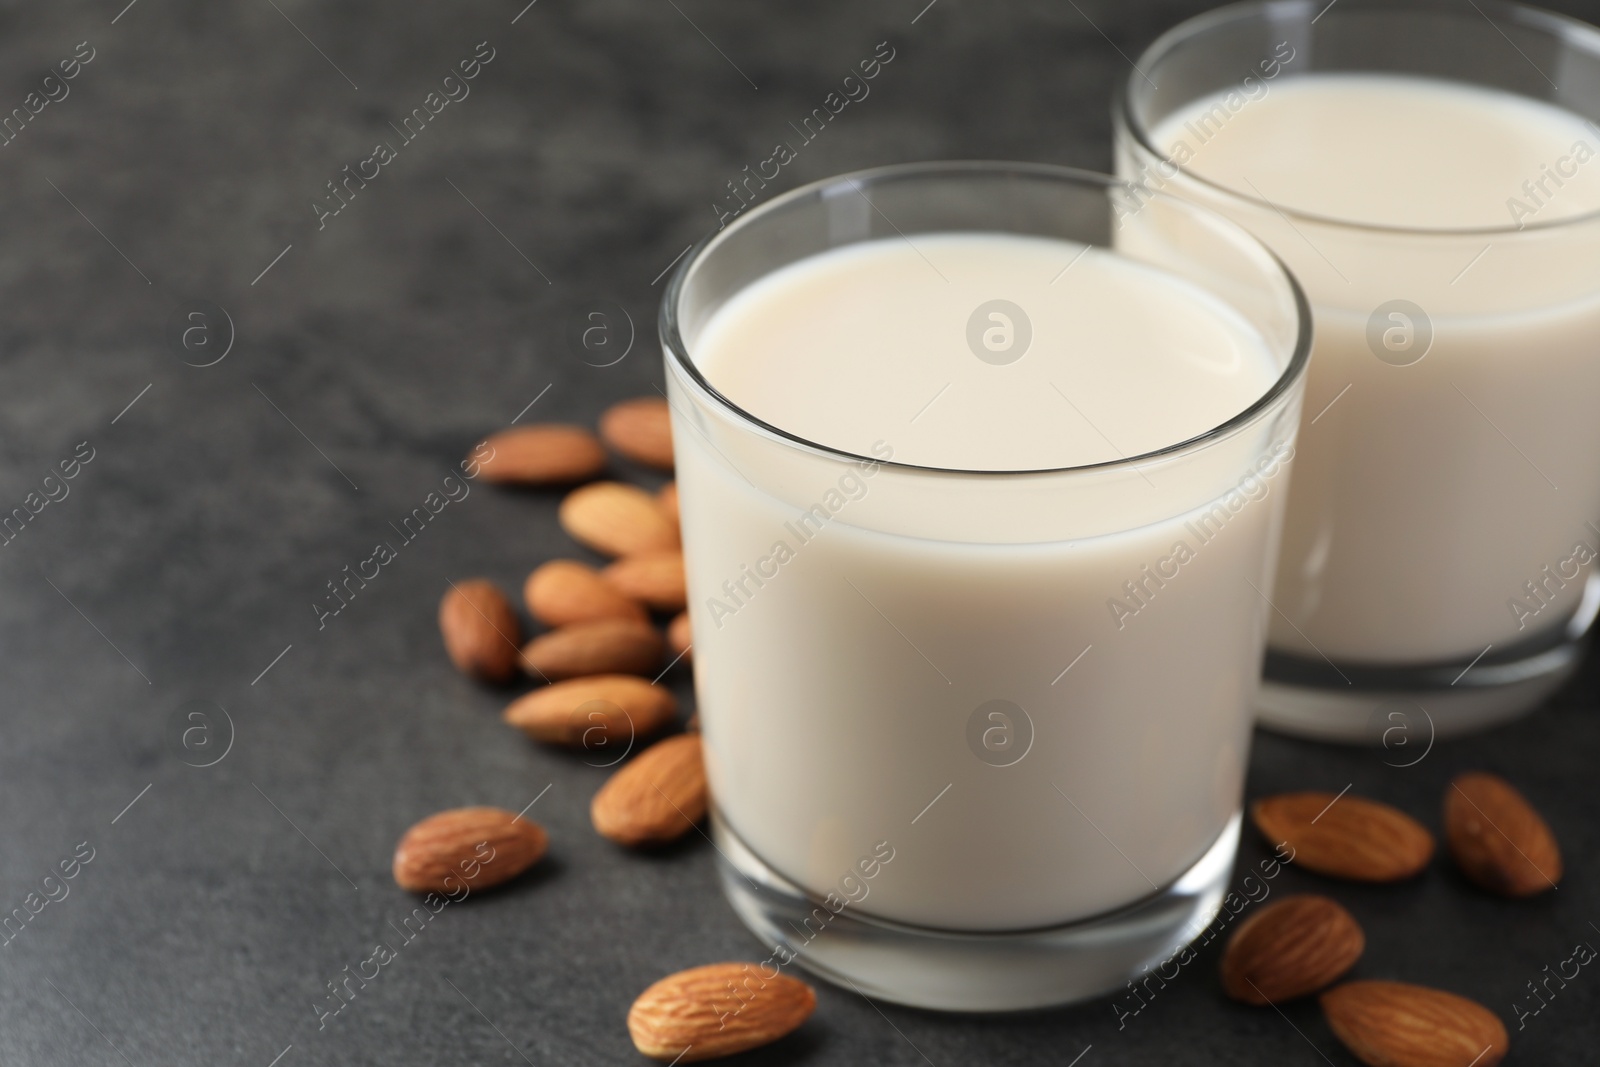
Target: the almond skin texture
(717, 1010)
(481, 632)
(640, 429)
(1290, 948)
(1497, 838)
(1391, 1024)
(667, 501)
(1352, 838)
(551, 454)
(565, 591)
(680, 637)
(477, 847)
(657, 796)
(616, 520)
(653, 577)
(606, 646)
(592, 712)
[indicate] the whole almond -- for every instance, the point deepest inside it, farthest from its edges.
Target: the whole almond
(1392, 1024)
(616, 519)
(593, 712)
(657, 796)
(640, 429)
(717, 1010)
(653, 577)
(1290, 948)
(1497, 838)
(565, 591)
(605, 646)
(679, 637)
(1345, 836)
(478, 847)
(481, 632)
(667, 501)
(550, 454)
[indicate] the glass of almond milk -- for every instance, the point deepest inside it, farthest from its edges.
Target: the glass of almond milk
(981, 469)
(1428, 171)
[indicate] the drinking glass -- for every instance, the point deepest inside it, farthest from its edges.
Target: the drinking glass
(1434, 576)
(941, 771)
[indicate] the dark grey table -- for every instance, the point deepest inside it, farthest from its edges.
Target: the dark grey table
(370, 348)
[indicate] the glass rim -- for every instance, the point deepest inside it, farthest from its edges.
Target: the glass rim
(678, 353)
(1565, 28)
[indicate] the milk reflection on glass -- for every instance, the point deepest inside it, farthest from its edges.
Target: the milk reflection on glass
(1448, 477)
(1033, 689)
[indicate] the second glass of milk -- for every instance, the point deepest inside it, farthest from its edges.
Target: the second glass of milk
(1429, 171)
(981, 471)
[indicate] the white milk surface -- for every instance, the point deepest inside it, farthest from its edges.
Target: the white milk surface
(845, 674)
(1443, 506)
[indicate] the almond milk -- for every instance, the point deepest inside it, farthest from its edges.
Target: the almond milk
(1038, 693)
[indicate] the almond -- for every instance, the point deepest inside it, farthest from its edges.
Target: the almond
(679, 637)
(605, 646)
(480, 631)
(657, 796)
(653, 577)
(1497, 838)
(667, 501)
(616, 519)
(1392, 1024)
(592, 712)
(717, 1010)
(478, 847)
(551, 454)
(1345, 836)
(1290, 948)
(640, 429)
(565, 591)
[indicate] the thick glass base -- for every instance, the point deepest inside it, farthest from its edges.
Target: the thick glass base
(949, 970)
(1408, 707)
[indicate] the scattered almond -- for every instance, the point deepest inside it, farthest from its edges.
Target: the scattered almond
(616, 519)
(640, 429)
(481, 632)
(653, 577)
(593, 711)
(1497, 838)
(478, 847)
(565, 591)
(1392, 1024)
(1345, 836)
(550, 454)
(1290, 948)
(657, 796)
(679, 636)
(667, 501)
(717, 1010)
(605, 646)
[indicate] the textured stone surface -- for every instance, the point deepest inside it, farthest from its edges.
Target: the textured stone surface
(188, 553)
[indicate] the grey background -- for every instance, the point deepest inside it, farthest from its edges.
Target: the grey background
(189, 550)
